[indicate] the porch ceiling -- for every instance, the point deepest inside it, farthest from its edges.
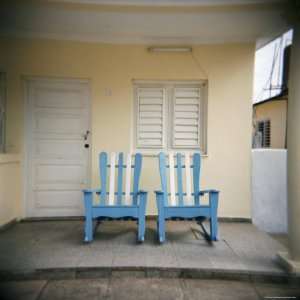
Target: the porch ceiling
(144, 22)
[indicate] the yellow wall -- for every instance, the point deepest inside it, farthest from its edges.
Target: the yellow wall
(227, 67)
(10, 197)
(276, 112)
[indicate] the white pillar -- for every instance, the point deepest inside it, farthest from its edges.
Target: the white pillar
(292, 259)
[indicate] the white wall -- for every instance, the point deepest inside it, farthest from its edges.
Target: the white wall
(269, 189)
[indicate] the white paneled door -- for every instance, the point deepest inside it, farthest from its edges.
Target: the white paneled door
(57, 139)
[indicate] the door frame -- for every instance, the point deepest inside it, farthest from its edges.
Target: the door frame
(26, 134)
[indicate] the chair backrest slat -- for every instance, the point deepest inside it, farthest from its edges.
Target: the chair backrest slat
(163, 176)
(179, 179)
(112, 192)
(111, 196)
(128, 179)
(102, 166)
(172, 179)
(188, 178)
(136, 176)
(191, 175)
(196, 176)
(120, 179)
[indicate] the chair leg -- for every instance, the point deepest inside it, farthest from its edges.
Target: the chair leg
(161, 219)
(142, 219)
(88, 228)
(141, 229)
(213, 229)
(161, 230)
(213, 202)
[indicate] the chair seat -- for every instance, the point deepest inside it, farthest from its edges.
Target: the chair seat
(199, 219)
(116, 219)
(115, 206)
(115, 211)
(186, 211)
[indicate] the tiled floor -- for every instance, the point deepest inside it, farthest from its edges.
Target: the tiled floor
(59, 244)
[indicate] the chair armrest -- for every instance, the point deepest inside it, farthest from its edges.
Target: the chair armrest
(208, 192)
(158, 193)
(142, 192)
(91, 191)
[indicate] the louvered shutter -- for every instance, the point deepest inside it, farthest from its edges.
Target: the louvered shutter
(150, 117)
(186, 117)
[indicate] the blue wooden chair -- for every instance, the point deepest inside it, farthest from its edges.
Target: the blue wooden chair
(116, 204)
(184, 205)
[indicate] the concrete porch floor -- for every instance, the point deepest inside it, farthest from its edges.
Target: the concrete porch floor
(55, 250)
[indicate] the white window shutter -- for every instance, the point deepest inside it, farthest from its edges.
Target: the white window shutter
(186, 117)
(150, 117)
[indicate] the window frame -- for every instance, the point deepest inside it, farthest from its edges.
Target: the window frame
(168, 115)
(263, 132)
